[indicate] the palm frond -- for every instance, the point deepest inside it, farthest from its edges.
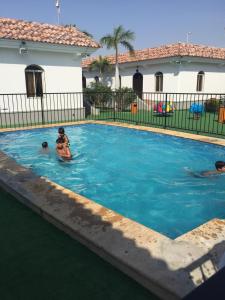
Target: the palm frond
(118, 31)
(108, 41)
(128, 46)
(127, 35)
(100, 64)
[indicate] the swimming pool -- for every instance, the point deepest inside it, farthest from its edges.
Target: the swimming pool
(141, 175)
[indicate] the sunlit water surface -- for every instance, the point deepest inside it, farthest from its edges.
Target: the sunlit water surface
(144, 176)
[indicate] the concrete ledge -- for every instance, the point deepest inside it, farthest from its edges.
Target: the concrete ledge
(169, 268)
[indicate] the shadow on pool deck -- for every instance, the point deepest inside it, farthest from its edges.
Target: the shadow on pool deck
(37, 261)
(57, 269)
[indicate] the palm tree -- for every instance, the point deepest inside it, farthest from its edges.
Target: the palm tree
(101, 64)
(122, 37)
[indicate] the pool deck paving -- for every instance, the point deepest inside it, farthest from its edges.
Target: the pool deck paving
(169, 268)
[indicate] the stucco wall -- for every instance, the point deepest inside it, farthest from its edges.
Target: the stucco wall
(177, 77)
(62, 72)
(214, 78)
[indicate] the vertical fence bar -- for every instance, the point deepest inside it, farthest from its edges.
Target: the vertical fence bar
(114, 107)
(18, 111)
(42, 111)
(165, 112)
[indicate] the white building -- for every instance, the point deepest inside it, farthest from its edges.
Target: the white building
(176, 68)
(36, 59)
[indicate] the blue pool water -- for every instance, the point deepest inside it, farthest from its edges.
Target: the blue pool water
(141, 175)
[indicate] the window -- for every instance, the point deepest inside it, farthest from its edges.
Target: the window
(96, 79)
(84, 84)
(33, 75)
(159, 82)
(200, 79)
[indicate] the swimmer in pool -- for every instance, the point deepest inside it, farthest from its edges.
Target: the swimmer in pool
(62, 135)
(44, 148)
(62, 145)
(220, 168)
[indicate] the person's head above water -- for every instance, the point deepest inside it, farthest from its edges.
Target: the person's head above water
(61, 130)
(44, 145)
(220, 166)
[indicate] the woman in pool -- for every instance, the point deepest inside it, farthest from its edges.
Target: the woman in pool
(62, 145)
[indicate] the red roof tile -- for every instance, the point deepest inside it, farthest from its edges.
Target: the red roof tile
(44, 33)
(173, 50)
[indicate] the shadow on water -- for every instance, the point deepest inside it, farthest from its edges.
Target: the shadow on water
(101, 231)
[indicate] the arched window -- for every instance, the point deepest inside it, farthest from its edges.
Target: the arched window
(138, 83)
(96, 79)
(33, 76)
(158, 81)
(84, 84)
(200, 81)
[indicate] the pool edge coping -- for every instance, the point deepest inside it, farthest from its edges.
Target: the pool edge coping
(167, 281)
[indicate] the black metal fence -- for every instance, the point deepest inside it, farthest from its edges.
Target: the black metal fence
(198, 113)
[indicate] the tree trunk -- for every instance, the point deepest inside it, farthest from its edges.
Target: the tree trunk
(117, 75)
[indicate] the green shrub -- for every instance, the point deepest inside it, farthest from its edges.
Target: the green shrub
(212, 105)
(124, 97)
(98, 94)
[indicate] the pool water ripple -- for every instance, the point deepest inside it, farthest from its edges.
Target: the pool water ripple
(144, 176)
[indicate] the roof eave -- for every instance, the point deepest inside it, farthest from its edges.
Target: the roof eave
(50, 47)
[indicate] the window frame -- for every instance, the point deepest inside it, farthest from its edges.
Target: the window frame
(200, 81)
(34, 81)
(159, 82)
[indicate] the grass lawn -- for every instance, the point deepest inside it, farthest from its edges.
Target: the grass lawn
(39, 262)
(181, 120)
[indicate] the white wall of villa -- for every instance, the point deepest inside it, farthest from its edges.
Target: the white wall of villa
(40, 71)
(62, 73)
(178, 76)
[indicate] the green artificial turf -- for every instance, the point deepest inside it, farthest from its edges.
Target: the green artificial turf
(38, 261)
(179, 120)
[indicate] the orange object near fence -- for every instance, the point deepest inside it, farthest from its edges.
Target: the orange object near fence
(134, 108)
(222, 115)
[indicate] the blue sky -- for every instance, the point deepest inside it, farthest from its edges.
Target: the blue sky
(155, 22)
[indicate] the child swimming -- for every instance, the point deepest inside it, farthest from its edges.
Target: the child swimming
(44, 148)
(220, 169)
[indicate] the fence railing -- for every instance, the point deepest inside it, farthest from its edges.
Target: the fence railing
(199, 113)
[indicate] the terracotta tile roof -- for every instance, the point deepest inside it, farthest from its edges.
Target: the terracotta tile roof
(173, 50)
(45, 33)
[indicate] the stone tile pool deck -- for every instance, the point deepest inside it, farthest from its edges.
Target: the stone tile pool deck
(169, 268)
